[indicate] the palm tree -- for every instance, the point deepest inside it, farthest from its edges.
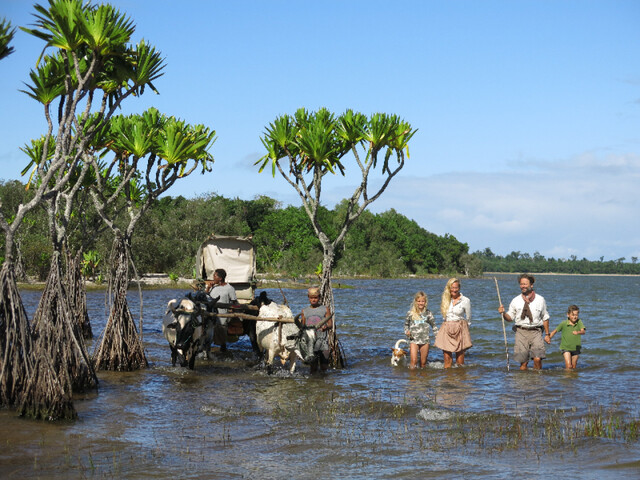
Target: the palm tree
(6, 35)
(309, 145)
(87, 67)
(150, 152)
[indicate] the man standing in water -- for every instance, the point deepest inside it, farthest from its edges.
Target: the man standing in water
(528, 311)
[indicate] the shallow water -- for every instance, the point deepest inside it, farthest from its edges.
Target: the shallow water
(230, 419)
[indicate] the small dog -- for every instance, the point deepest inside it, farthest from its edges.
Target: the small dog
(399, 356)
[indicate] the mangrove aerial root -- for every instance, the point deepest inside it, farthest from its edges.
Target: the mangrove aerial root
(57, 333)
(15, 339)
(77, 292)
(121, 348)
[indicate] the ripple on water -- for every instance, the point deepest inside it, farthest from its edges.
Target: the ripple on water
(231, 418)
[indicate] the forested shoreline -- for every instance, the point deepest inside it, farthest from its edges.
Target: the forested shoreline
(166, 241)
(387, 244)
(516, 262)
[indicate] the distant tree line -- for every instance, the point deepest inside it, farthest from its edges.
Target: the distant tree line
(524, 262)
(382, 245)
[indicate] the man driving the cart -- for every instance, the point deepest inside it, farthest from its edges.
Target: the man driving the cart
(218, 287)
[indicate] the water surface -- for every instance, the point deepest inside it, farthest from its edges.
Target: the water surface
(230, 419)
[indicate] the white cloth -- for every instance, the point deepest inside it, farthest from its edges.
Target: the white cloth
(538, 311)
(459, 311)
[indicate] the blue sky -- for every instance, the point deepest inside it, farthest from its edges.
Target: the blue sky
(528, 112)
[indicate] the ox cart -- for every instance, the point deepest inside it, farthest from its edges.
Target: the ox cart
(237, 256)
(192, 324)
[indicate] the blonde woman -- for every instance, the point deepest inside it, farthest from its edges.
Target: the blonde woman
(453, 336)
(416, 327)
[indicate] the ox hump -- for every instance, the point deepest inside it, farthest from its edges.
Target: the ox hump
(273, 310)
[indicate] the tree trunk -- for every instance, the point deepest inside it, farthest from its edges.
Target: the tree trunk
(57, 331)
(61, 362)
(337, 359)
(76, 286)
(16, 361)
(121, 348)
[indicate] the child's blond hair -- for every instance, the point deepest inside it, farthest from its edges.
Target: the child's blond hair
(413, 312)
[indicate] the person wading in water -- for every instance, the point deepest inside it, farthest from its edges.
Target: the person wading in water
(528, 311)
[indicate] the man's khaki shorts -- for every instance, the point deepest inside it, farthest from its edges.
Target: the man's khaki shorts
(528, 345)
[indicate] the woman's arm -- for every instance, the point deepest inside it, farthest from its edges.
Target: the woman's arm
(468, 310)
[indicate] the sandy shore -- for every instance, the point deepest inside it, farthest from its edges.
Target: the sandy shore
(161, 280)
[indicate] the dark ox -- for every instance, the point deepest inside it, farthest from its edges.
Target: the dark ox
(187, 331)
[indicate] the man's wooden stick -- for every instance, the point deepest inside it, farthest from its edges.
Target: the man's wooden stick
(504, 331)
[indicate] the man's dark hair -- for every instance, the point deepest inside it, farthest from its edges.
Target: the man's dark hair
(528, 276)
(221, 273)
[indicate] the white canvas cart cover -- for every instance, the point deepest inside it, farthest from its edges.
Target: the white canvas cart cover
(236, 255)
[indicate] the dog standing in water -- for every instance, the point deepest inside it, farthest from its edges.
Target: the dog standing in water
(398, 355)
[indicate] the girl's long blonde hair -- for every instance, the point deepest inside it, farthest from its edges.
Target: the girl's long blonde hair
(414, 313)
(446, 297)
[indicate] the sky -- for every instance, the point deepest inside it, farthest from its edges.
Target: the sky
(527, 112)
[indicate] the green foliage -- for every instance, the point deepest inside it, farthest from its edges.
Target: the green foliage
(168, 237)
(389, 244)
(47, 81)
(318, 141)
(90, 262)
(96, 35)
(36, 155)
(12, 194)
(472, 265)
(385, 245)
(36, 255)
(6, 35)
(286, 243)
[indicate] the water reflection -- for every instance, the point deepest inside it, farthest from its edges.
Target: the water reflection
(453, 389)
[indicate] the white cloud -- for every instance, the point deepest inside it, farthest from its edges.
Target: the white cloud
(585, 206)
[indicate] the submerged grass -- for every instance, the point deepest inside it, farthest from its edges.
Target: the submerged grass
(371, 421)
(612, 425)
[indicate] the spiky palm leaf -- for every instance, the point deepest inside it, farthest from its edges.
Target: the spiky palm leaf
(132, 135)
(278, 139)
(104, 29)
(6, 35)
(316, 141)
(58, 24)
(47, 81)
(351, 127)
(36, 154)
(148, 65)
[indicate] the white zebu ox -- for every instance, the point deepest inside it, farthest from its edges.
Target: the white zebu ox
(275, 342)
(186, 338)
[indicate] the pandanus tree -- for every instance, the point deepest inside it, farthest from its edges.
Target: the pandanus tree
(6, 35)
(146, 155)
(86, 69)
(18, 362)
(307, 146)
(15, 337)
(58, 318)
